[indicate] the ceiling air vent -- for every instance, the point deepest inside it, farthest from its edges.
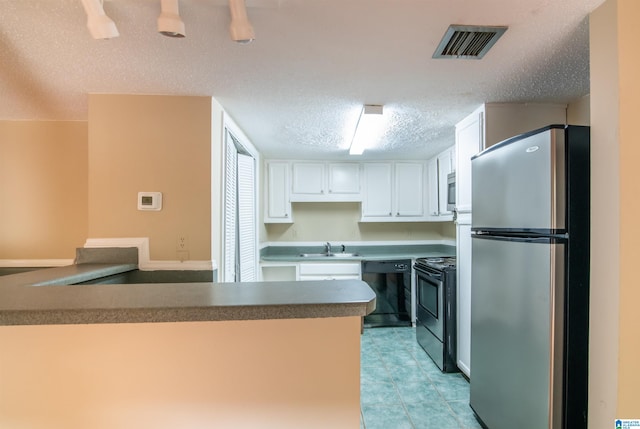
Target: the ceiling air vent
(468, 41)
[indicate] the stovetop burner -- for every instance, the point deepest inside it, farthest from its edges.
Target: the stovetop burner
(438, 263)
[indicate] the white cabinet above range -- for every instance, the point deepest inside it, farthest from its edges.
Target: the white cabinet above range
(440, 166)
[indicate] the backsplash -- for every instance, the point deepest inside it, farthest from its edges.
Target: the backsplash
(340, 222)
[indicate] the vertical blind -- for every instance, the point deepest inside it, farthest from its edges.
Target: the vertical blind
(246, 218)
(239, 213)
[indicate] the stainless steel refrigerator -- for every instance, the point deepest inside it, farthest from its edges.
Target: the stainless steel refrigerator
(530, 280)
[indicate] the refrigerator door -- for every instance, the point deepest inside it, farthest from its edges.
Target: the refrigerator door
(519, 184)
(516, 332)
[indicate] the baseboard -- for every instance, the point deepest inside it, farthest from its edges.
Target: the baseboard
(36, 263)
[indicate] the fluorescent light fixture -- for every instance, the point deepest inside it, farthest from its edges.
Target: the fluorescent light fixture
(169, 22)
(369, 129)
(240, 28)
(99, 24)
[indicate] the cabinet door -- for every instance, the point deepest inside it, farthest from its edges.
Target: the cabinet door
(445, 166)
(468, 143)
(409, 189)
(432, 179)
(278, 204)
(344, 178)
(308, 178)
(463, 285)
(329, 271)
(377, 187)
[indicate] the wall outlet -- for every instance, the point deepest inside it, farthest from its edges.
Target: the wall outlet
(182, 255)
(182, 243)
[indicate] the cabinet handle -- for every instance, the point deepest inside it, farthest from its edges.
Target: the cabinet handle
(286, 215)
(390, 214)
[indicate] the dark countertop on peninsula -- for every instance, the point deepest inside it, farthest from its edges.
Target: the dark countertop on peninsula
(48, 296)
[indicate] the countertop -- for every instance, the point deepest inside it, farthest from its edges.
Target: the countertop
(361, 252)
(48, 297)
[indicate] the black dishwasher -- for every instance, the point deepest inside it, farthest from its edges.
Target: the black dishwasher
(391, 281)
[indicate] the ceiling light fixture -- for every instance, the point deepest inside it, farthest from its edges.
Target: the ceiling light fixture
(169, 22)
(369, 128)
(240, 28)
(99, 24)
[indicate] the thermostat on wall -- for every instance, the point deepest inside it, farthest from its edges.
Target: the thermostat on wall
(150, 201)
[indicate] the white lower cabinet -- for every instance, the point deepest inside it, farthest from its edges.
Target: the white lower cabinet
(278, 272)
(463, 286)
(329, 271)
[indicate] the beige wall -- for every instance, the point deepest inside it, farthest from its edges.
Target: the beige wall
(629, 323)
(43, 189)
(268, 374)
(339, 222)
(151, 143)
(614, 342)
(579, 111)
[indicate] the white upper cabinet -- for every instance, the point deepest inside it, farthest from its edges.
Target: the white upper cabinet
(409, 189)
(469, 141)
(434, 191)
(378, 200)
(390, 191)
(278, 207)
(395, 192)
(445, 167)
(308, 179)
(438, 168)
(325, 181)
(344, 178)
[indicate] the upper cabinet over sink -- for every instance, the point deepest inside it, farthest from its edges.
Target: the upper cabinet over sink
(390, 191)
(325, 181)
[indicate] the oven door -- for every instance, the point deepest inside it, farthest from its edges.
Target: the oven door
(430, 300)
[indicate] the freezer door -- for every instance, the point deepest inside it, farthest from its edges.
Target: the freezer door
(517, 333)
(520, 184)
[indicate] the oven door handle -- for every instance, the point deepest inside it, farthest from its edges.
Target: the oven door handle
(430, 273)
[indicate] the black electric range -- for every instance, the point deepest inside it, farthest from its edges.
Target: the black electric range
(435, 280)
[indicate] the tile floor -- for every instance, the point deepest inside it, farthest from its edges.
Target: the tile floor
(402, 388)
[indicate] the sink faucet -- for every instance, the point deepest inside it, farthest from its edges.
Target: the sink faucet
(328, 248)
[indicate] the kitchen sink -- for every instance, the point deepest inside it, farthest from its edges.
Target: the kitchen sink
(329, 255)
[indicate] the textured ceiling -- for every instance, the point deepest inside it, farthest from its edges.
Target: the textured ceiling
(297, 90)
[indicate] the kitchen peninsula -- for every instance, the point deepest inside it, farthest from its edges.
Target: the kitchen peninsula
(169, 355)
